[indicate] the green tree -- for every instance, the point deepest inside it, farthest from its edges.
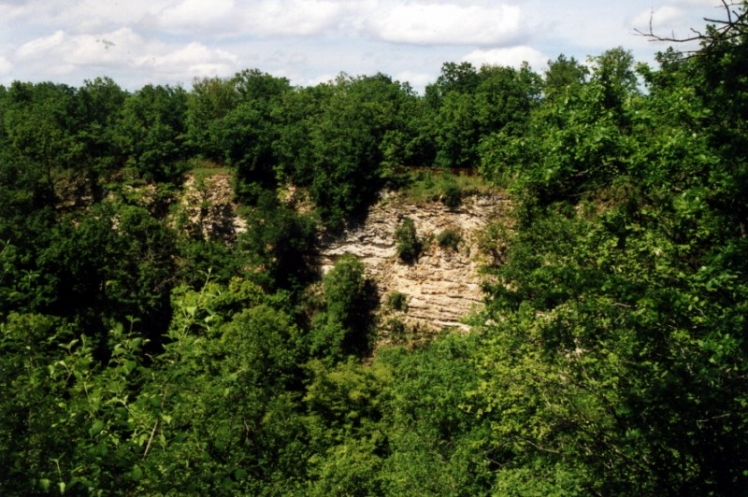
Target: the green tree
(337, 149)
(209, 102)
(562, 75)
(249, 130)
(459, 78)
(67, 420)
(572, 145)
(41, 122)
(616, 350)
(345, 326)
(345, 404)
(473, 104)
(435, 445)
(102, 102)
(280, 243)
(152, 132)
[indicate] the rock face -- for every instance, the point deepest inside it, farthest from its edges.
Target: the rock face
(443, 285)
(209, 207)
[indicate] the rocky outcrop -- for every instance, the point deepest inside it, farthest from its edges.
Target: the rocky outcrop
(208, 208)
(443, 285)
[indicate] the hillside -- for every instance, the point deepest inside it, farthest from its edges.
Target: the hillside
(514, 284)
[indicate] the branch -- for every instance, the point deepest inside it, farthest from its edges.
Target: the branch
(155, 425)
(724, 29)
(150, 440)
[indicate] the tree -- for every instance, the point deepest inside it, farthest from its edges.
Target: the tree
(344, 327)
(152, 132)
(571, 145)
(69, 424)
(346, 141)
(614, 72)
(562, 75)
(280, 243)
(435, 445)
(459, 78)
(474, 104)
(248, 131)
(41, 122)
(102, 101)
(209, 102)
(615, 357)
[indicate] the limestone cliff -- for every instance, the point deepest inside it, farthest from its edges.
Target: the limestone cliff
(443, 285)
(208, 207)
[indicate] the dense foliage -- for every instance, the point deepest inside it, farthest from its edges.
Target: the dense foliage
(137, 357)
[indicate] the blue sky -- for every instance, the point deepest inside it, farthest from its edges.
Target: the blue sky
(136, 42)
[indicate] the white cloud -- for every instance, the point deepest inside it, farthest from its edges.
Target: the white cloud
(294, 17)
(168, 41)
(197, 14)
(322, 78)
(41, 46)
(5, 66)
(193, 60)
(190, 12)
(124, 49)
(664, 17)
(512, 57)
(79, 15)
(696, 3)
(444, 24)
(228, 18)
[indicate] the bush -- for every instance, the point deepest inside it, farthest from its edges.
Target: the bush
(452, 195)
(449, 238)
(398, 330)
(408, 245)
(397, 301)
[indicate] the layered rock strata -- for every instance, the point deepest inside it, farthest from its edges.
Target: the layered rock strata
(443, 286)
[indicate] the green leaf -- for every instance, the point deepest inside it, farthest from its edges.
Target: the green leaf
(96, 428)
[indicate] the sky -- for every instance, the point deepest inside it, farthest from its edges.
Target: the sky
(139, 42)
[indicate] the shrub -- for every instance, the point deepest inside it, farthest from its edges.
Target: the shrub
(397, 301)
(452, 195)
(408, 245)
(449, 238)
(398, 330)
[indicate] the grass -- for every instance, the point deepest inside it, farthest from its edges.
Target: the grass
(206, 168)
(441, 185)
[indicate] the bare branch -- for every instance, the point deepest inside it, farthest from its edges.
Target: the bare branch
(734, 26)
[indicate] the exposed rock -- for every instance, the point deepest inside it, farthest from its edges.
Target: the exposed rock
(209, 207)
(442, 286)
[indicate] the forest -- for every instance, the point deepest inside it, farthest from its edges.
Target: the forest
(140, 357)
